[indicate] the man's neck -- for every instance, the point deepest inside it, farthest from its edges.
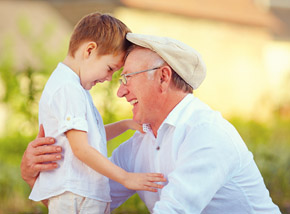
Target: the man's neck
(168, 105)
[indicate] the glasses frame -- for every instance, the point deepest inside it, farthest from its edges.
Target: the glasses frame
(123, 80)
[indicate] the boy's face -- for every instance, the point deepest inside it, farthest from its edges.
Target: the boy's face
(97, 69)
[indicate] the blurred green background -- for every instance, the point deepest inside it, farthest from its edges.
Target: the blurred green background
(248, 77)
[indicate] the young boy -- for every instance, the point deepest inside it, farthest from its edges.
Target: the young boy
(80, 185)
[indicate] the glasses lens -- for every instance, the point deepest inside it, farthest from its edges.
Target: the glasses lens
(123, 80)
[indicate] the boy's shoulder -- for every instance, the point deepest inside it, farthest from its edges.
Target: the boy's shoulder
(63, 80)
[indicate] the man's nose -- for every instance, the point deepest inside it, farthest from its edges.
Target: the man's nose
(122, 91)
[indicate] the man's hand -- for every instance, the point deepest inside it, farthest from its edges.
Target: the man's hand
(40, 155)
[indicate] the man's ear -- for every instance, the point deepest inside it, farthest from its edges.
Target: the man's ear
(165, 77)
(90, 48)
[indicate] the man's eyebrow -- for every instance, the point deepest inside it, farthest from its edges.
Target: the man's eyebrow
(124, 72)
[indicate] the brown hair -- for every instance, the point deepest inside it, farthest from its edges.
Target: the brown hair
(107, 32)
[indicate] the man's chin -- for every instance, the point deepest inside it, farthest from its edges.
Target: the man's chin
(136, 119)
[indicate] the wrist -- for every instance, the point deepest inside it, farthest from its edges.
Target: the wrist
(124, 177)
(29, 180)
(129, 124)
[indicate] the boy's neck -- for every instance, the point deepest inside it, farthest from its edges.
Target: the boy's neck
(72, 63)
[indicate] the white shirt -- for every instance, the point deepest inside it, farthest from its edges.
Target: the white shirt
(208, 166)
(66, 105)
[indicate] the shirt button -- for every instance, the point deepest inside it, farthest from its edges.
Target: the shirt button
(68, 118)
(157, 148)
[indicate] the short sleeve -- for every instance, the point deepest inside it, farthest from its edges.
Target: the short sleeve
(68, 105)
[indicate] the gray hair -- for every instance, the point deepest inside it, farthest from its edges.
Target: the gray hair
(157, 61)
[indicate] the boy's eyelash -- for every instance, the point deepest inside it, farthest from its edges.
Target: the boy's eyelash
(110, 68)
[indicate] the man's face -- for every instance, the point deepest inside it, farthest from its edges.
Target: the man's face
(140, 91)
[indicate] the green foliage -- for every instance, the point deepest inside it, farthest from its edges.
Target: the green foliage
(22, 84)
(13, 190)
(132, 206)
(270, 145)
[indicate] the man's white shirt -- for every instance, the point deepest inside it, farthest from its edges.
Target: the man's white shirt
(205, 161)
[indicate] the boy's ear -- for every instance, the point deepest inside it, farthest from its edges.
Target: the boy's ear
(90, 48)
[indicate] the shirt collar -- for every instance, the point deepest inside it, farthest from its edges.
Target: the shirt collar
(174, 116)
(176, 113)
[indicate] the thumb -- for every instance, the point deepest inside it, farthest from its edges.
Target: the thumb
(41, 132)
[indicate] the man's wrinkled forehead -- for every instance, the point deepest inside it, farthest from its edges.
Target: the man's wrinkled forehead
(136, 59)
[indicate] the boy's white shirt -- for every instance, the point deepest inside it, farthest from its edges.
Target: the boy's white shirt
(66, 105)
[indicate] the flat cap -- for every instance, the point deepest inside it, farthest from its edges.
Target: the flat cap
(183, 59)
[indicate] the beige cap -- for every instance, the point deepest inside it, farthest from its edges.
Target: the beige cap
(183, 59)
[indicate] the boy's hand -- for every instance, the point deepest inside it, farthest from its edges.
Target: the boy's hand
(131, 124)
(144, 181)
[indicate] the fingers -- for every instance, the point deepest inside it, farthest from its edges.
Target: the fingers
(45, 167)
(43, 150)
(41, 132)
(144, 181)
(47, 158)
(42, 141)
(154, 185)
(150, 189)
(156, 177)
(151, 184)
(155, 174)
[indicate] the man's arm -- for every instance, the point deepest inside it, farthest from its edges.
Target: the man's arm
(40, 155)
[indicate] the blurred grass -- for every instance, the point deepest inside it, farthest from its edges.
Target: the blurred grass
(270, 145)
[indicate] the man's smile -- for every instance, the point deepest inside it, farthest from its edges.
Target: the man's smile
(132, 102)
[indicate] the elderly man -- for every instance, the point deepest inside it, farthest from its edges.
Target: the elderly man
(208, 166)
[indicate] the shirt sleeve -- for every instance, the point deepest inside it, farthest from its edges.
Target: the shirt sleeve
(68, 105)
(122, 157)
(205, 161)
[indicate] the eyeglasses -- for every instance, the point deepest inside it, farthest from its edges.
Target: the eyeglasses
(123, 79)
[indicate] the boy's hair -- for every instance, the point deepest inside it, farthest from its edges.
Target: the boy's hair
(107, 32)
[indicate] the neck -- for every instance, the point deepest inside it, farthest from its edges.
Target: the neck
(170, 102)
(72, 64)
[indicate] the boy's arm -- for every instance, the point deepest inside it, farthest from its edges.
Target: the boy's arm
(115, 129)
(94, 159)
